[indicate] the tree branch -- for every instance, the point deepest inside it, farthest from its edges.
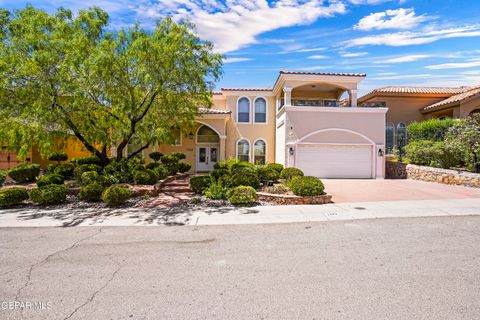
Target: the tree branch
(139, 150)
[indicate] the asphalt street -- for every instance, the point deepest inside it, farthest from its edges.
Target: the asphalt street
(410, 268)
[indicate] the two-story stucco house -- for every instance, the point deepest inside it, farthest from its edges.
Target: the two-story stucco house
(299, 122)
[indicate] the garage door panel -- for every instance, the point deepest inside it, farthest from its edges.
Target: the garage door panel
(335, 161)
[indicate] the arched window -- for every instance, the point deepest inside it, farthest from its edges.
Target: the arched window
(259, 152)
(243, 150)
(243, 110)
(401, 135)
(206, 134)
(389, 137)
(260, 110)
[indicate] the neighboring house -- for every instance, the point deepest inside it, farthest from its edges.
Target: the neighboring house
(408, 104)
(300, 122)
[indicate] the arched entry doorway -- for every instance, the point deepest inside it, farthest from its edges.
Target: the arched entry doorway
(208, 148)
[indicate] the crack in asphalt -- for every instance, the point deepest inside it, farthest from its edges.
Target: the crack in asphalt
(45, 260)
(95, 293)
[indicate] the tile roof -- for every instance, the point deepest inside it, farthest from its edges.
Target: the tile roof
(414, 90)
(326, 73)
(213, 111)
(465, 94)
(246, 89)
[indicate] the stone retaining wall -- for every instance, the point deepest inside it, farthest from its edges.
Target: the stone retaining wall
(281, 199)
(395, 170)
(452, 177)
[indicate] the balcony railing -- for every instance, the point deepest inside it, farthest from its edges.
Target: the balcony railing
(315, 103)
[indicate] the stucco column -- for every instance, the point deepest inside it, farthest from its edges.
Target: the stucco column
(222, 147)
(353, 97)
(287, 96)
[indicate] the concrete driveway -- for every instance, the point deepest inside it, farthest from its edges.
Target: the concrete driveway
(360, 190)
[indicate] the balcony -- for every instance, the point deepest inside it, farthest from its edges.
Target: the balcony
(316, 103)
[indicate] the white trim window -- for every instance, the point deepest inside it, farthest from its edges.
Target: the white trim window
(259, 152)
(260, 105)
(389, 137)
(243, 150)
(401, 135)
(243, 110)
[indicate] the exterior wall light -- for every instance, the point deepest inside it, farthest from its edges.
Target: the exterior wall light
(380, 152)
(291, 150)
(190, 136)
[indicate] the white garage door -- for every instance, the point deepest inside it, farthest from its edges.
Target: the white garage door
(335, 161)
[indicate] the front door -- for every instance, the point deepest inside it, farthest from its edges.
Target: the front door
(206, 158)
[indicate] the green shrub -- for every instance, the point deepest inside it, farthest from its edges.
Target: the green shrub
(179, 156)
(152, 165)
(267, 175)
(58, 156)
(276, 189)
(123, 170)
(49, 194)
(3, 176)
(184, 167)
(65, 170)
(52, 178)
(289, 173)
(107, 180)
(79, 170)
(91, 192)
(51, 167)
(155, 156)
(306, 186)
(145, 177)
(116, 195)
(244, 176)
(87, 160)
(242, 195)
(25, 172)
(172, 168)
(233, 166)
(12, 196)
(162, 171)
(276, 166)
(217, 191)
(170, 159)
(196, 200)
(89, 177)
(433, 129)
(220, 171)
(199, 184)
(432, 153)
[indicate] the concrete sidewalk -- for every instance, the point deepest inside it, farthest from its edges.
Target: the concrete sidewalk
(227, 216)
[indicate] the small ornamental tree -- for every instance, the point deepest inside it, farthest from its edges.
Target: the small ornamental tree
(64, 74)
(155, 156)
(58, 156)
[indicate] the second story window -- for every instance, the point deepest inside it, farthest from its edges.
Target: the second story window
(243, 110)
(260, 110)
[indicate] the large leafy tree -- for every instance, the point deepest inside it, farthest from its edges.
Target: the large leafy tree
(65, 75)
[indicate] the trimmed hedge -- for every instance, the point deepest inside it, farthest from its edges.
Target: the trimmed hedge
(58, 156)
(65, 169)
(199, 184)
(244, 176)
(12, 196)
(3, 176)
(242, 195)
(289, 173)
(50, 179)
(433, 129)
(432, 153)
(91, 192)
(89, 177)
(87, 160)
(161, 171)
(276, 166)
(146, 176)
(25, 172)
(79, 170)
(155, 156)
(49, 194)
(306, 186)
(267, 174)
(116, 195)
(184, 167)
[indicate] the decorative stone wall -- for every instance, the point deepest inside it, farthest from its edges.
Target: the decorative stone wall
(452, 177)
(281, 199)
(395, 170)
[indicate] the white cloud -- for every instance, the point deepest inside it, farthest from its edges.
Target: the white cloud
(311, 49)
(233, 60)
(234, 24)
(314, 68)
(318, 56)
(353, 54)
(390, 19)
(406, 58)
(455, 65)
(414, 38)
(359, 2)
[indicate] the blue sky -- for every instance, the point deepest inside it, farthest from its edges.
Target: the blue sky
(401, 42)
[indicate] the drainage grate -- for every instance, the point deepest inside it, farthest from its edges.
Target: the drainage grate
(359, 208)
(332, 214)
